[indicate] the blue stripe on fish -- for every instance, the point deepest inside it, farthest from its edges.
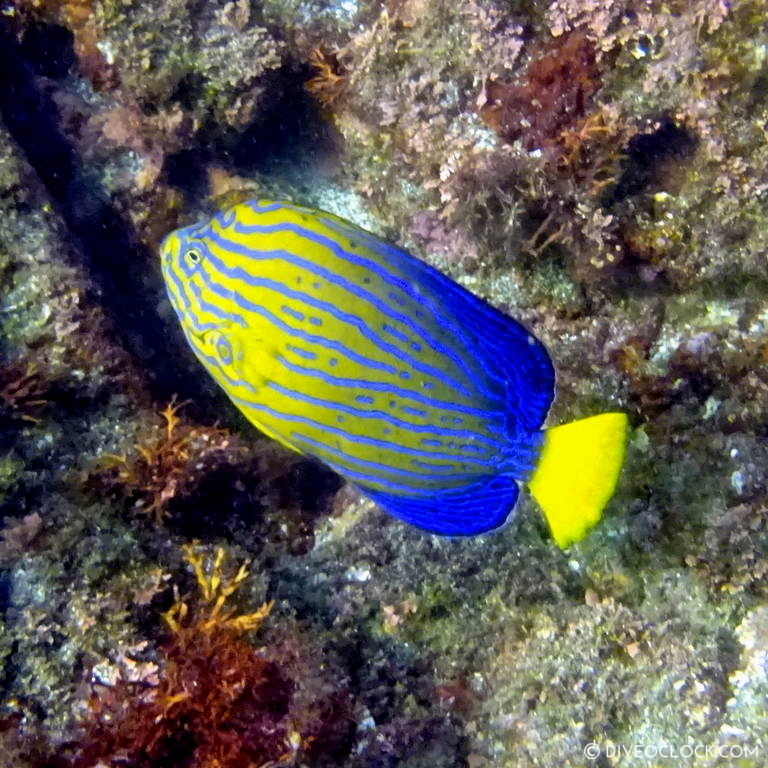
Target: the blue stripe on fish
(248, 306)
(321, 271)
(386, 387)
(356, 322)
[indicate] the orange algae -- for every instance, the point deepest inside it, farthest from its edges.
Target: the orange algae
(330, 81)
(162, 466)
(23, 390)
(216, 702)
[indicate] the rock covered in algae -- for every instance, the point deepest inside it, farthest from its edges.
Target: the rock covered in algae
(631, 239)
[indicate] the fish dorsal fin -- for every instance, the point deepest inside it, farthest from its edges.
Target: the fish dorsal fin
(504, 349)
(477, 508)
(508, 352)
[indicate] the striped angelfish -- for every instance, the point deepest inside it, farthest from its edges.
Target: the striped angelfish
(347, 348)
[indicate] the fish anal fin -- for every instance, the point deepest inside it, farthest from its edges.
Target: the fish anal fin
(481, 506)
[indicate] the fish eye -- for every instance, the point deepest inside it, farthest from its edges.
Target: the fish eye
(192, 256)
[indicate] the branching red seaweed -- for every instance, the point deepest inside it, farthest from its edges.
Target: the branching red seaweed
(23, 390)
(165, 465)
(216, 700)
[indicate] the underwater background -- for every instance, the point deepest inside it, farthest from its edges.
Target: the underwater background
(178, 590)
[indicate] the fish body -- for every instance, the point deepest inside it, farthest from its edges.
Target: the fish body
(347, 348)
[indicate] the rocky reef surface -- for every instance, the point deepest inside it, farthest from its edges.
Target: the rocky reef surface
(177, 590)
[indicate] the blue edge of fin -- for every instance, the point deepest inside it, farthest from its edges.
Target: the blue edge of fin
(478, 508)
(523, 363)
(509, 353)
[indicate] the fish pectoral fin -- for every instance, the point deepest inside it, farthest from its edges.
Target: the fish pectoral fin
(223, 344)
(577, 473)
(477, 508)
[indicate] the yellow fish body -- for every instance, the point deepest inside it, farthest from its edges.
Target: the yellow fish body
(347, 348)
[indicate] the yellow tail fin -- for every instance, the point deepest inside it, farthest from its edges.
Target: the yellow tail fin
(577, 473)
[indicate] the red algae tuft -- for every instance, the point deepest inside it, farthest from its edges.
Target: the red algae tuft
(163, 466)
(216, 701)
(556, 92)
(23, 390)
